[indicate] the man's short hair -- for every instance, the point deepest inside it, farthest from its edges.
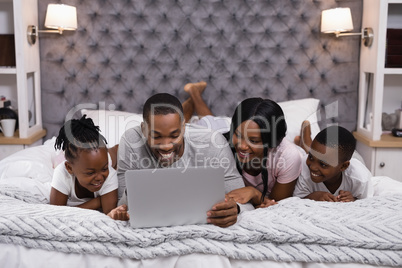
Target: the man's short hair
(338, 137)
(162, 103)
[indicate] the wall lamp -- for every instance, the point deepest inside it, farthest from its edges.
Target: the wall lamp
(339, 20)
(59, 17)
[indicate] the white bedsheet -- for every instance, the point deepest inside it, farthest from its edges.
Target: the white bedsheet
(23, 257)
(32, 169)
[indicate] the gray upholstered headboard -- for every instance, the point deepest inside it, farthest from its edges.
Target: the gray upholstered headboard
(126, 50)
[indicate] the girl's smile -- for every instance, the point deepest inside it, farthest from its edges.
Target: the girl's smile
(91, 168)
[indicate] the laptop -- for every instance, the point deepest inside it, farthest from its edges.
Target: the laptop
(173, 196)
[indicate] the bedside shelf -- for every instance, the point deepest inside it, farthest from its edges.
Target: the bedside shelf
(386, 141)
(22, 141)
(8, 70)
(381, 156)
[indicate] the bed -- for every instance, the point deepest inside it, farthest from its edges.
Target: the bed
(294, 233)
(125, 51)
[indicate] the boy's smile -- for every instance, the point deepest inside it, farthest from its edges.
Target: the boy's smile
(164, 135)
(324, 165)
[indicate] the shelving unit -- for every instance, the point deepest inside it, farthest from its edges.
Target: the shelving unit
(21, 83)
(380, 90)
(8, 70)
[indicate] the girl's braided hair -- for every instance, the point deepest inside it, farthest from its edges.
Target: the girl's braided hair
(79, 134)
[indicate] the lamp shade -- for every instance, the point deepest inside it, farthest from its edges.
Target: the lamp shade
(60, 16)
(336, 20)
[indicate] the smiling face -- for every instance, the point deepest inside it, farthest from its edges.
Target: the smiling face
(164, 135)
(248, 144)
(324, 165)
(90, 168)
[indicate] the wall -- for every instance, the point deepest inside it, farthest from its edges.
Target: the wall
(124, 51)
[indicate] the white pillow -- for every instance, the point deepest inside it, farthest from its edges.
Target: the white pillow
(34, 163)
(27, 189)
(296, 111)
(114, 123)
(386, 186)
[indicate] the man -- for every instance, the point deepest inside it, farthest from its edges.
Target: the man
(163, 141)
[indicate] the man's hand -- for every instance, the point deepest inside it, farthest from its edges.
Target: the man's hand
(345, 196)
(223, 214)
(267, 203)
(322, 196)
(120, 213)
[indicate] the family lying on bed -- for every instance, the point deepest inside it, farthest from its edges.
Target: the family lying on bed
(271, 167)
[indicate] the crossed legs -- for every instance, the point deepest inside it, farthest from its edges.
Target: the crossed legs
(195, 103)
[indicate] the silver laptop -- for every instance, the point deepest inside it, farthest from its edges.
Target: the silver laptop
(173, 196)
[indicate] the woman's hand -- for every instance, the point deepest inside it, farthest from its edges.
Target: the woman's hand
(267, 203)
(246, 194)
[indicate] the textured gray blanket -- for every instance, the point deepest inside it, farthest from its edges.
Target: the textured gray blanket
(366, 231)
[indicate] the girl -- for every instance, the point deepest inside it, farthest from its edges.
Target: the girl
(269, 164)
(84, 180)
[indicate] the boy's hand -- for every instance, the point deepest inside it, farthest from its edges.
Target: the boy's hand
(119, 213)
(267, 203)
(345, 196)
(223, 214)
(322, 196)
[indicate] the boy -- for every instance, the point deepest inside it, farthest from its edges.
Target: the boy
(163, 140)
(329, 172)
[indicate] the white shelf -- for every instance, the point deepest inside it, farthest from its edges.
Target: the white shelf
(21, 83)
(8, 70)
(380, 91)
(393, 71)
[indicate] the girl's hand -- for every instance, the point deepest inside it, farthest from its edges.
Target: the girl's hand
(94, 203)
(345, 196)
(246, 194)
(109, 201)
(267, 203)
(120, 213)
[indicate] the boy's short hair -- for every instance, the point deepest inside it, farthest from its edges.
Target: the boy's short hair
(336, 136)
(162, 103)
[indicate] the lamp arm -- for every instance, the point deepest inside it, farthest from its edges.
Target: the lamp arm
(367, 35)
(59, 31)
(33, 32)
(347, 34)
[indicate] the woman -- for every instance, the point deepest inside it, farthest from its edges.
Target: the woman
(269, 164)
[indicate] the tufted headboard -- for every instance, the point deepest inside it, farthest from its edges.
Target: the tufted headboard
(126, 50)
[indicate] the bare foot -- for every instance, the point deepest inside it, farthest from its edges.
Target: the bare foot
(304, 140)
(196, 102)
(192, 88)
